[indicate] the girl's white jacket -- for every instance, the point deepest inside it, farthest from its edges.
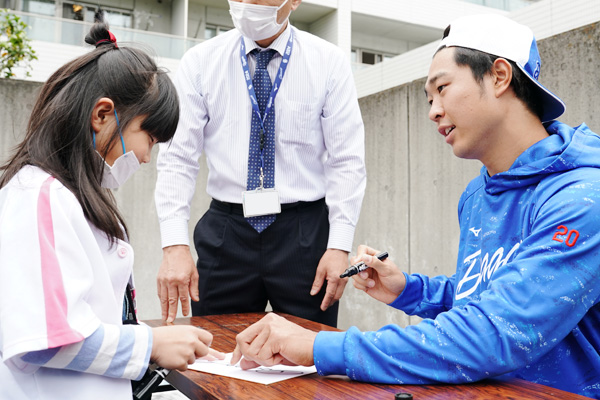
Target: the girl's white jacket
(60, 278)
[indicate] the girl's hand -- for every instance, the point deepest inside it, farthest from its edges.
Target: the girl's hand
(177, 346)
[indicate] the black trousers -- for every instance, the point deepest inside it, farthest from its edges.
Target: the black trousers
(241, 269)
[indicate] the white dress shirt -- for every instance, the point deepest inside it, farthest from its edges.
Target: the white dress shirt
(319, 133)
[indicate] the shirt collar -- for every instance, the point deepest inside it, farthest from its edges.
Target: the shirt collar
(278, 45)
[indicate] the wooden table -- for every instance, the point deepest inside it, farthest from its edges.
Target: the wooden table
(200, 385)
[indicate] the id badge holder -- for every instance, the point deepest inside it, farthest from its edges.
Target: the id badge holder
(261, 202)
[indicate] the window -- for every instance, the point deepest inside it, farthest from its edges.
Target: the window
(44, 7)
(74, 11)
(213, 30)
(85, 12)
(369, 57)
(210, 32)
(121, 19)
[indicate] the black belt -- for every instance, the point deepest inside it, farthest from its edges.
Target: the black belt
(236, 208)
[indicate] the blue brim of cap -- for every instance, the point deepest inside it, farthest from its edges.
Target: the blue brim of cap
(553, 107)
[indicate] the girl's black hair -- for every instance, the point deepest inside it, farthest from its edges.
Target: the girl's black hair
(59, 136)
(481, 63)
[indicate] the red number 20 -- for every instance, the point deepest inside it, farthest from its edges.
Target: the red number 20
(572, 235)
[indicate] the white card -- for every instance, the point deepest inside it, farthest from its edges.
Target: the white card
(264, 375)
(260, 202)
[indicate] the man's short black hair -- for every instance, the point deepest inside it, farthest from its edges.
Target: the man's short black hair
(481, 63)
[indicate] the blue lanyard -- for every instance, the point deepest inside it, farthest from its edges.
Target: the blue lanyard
(276, 85)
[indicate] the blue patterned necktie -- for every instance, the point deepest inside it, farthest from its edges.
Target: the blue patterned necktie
(262, 87)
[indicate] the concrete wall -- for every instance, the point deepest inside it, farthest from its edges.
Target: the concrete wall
(16, 102)
(414, 180)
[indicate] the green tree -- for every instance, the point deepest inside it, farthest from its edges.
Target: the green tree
(15, 48)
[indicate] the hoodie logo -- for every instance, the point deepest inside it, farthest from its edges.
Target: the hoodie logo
(472, 279)
(475, 231)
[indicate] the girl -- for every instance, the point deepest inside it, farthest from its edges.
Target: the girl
(65, 263)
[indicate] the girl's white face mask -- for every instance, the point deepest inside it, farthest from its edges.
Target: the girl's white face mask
(121, 170)
(254, 21)
(123, 167)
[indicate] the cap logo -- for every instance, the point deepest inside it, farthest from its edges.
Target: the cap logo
(536, 71)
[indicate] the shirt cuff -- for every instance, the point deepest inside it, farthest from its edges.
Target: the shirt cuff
(341, 237)
(174, 231)
(146, 360)
(328, 353)
(410, 298)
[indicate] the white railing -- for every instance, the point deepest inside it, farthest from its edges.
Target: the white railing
(70, 32)
(508, 5)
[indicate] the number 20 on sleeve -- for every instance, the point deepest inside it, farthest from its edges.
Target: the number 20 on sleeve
(563, 234)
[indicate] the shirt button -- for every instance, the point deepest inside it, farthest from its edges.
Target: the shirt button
(122, 252)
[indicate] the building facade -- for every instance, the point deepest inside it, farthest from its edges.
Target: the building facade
(370, 31)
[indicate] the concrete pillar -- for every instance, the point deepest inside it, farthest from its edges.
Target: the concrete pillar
(179, 17)
(344, 26)
(336, 27)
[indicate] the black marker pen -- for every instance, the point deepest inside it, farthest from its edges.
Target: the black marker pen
(361, 266)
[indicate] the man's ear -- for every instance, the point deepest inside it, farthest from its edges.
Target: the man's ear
(102, 113)
(502, 74)
(295, 4)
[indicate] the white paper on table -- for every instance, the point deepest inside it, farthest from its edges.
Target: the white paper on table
(264, 375)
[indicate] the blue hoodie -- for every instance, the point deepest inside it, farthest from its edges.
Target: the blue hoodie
(524, 301)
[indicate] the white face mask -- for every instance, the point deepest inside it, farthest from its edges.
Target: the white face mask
(254, 21)
(121, 170)
(123, 167)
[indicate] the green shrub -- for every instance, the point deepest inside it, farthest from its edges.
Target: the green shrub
(15, 48)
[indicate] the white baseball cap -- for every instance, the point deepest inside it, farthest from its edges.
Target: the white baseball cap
(505, 38)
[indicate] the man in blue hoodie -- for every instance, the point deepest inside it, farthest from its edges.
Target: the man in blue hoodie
(524, 301)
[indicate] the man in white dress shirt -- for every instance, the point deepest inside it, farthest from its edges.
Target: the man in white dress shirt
(313, 182)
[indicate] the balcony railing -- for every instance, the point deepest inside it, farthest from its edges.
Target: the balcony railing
(65, 31)
(508, 5)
